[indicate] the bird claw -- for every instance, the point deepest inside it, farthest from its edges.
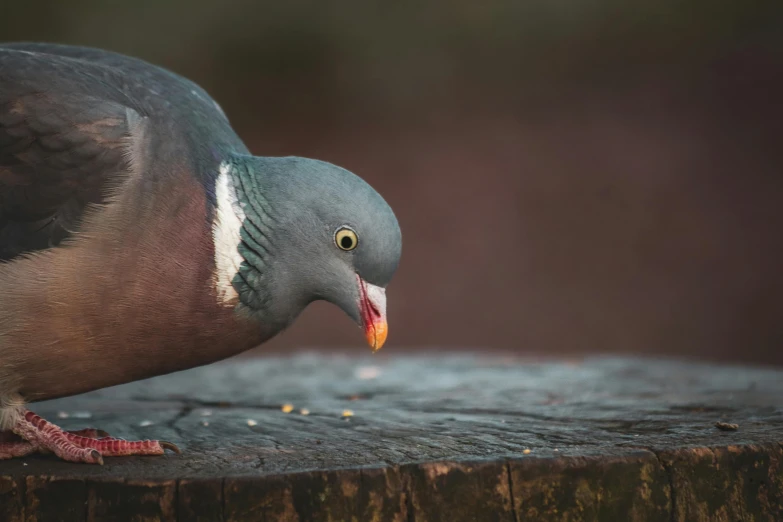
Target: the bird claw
(89, 445)
(170, 445)
(95, 458)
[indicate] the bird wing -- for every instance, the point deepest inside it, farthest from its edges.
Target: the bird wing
(64, 132)
(144, 73)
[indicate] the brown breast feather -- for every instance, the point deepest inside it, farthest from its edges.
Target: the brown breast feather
(130, 297)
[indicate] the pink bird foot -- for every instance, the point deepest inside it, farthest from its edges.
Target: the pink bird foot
(89, 445)
(10, 450)
(92, 433)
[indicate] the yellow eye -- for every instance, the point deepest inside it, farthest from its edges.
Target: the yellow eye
(346, 239)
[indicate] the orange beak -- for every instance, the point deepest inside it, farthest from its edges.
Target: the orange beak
(372, 304)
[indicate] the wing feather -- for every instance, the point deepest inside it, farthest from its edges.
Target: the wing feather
(64, 133)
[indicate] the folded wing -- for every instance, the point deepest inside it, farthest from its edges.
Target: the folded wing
(64, 130)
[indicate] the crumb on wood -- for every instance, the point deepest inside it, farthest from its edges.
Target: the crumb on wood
(304, 411)
(287, 408)
(725, 426)
(526, 451)
(367, 372)
(347, 413)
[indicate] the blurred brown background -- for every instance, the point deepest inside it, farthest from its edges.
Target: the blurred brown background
(571, 177)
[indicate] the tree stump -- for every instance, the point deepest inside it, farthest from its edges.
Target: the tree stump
(421, 439)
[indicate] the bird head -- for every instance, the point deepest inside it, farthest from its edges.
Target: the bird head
(310, 231)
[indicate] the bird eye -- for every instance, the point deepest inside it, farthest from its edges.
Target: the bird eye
(346, 239)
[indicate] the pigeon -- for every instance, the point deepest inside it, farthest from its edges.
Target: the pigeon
(139, 237)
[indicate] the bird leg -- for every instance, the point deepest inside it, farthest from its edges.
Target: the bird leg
(112, 447)
(88, 445)
(12, 445)
(10, 450)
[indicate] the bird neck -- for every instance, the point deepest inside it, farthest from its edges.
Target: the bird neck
(259, 275)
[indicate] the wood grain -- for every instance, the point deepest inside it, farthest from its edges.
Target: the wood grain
(448, 438)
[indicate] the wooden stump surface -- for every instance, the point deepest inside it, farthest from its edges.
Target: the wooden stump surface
(430, 438)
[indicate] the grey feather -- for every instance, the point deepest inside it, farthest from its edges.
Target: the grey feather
(108, 180)
(300, 203)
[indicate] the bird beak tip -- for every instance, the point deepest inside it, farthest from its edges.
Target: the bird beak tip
(376, 334)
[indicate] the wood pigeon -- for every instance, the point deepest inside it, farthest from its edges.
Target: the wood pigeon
(139, 237)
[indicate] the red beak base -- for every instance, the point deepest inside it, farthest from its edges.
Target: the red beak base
(372, 304)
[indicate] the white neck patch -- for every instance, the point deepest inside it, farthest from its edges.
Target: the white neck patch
(226, 236)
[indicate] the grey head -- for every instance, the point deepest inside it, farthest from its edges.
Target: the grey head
(311, 230)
